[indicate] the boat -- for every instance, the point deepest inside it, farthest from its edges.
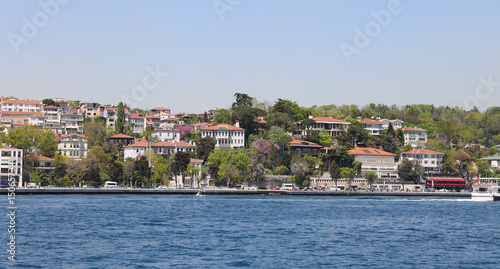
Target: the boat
(485, 190)
(201, 193)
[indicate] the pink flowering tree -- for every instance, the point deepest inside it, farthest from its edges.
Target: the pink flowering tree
(264, 146)
(185, 131)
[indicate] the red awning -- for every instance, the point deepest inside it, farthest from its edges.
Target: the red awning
(446, 179)
(445, 184)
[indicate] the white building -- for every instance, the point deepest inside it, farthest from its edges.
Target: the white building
(373, 127)
(226, 136)
(167, 135)
(168, 148)
(72, 121)
(415, 136)
(135, 150)
(137, 123)
(11, 166)
(73, 146)
(332, 126)
(376, 160)
(396, 124)
(11, 105)
(430, 160)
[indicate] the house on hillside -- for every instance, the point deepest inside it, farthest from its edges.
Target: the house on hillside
(226, 136)
(415, 136)
(73, 146)
(430, 160)
(11, 166)
(301, 146)
(332, 126)
(381, 162)
(373, 127)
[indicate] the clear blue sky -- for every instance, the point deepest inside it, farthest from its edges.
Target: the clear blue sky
(430, 52)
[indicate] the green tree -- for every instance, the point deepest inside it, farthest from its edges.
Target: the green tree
(120, 119)
(142, 171)
(222, 116)
(348, 174)
(242, 99)
(229, 172)
(278, 135)
(389, 143)
(205, 147)
(356, 165)
(95, 130)
(334, 172)
(371, 177)
(181, 162)
(405, 171)
(49, 102)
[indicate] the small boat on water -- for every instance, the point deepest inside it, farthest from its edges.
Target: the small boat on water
(486, 190)
(201, 193)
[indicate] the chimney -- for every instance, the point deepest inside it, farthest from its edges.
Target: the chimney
(237, 124)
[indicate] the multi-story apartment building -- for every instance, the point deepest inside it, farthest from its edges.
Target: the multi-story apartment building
(71, 121)
(73, 146)
(430, 160)
(381, 162)
(90, 110)
(137, 123)
(10, 105)
(415, 136)
(226, 136)
(11, 166)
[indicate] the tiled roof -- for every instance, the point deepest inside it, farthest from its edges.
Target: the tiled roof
(327, 119)
(196, 160)
(369, 151)
(22, 101)
(223, 127)
(121, 136)
(140, 144)
(409, 129)
(8, 148)
(39, 157)
(370, 121)
(421, 151)
(302, 143)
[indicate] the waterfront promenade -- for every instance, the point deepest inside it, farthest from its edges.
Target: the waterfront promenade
(97, 191)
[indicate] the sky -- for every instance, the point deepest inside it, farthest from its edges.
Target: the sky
(192, 56)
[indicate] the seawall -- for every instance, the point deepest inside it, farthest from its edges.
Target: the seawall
(67, 191)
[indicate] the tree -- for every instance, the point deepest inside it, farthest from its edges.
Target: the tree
(193, 173)
(390, 131)
(76, 170)
(181, 162)
(242, 99)
(307, 125)
(405, 171)
(205, 147)
(348, 174)
(450, 129)
(222, 116)
(355, 135)
(388, 143)
(278, 135)
(49, 102)
(356, 165)
(228, 172)
(371, 177)
(120, 118)
(96, 131)
(334, 172)
(142, 171)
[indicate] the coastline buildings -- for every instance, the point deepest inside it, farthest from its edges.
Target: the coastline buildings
(226, 136)
(73, 146)
(11, 166)
(381, 162)
(430, 160)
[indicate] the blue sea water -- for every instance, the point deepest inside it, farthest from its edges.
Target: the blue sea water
(140, 231)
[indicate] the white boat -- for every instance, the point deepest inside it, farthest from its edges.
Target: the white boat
(486, 190)
(201, 193)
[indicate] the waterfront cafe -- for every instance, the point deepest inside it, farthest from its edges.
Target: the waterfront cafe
(448, 183)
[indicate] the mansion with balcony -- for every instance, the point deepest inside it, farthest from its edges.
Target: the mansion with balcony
(73, 146)
(332, 126)
(226, 136)
(373, 127)
(300, 146)
(430, 160)
(381, 162)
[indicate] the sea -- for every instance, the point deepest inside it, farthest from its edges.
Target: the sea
(167, 231)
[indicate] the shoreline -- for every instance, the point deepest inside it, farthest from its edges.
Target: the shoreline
(208, 192)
